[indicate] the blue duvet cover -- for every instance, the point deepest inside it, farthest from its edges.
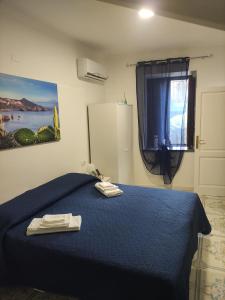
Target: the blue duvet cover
(136, 246)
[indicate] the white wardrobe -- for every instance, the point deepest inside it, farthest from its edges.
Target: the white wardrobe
(110, 132)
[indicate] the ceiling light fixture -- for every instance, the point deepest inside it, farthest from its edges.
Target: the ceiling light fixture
(145, 13)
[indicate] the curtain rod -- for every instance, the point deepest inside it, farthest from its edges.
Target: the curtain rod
(193, 57)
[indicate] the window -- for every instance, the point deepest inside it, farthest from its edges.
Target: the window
(166, 107)
(180, 113)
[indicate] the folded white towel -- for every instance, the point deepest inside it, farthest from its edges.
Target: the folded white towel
(115, 187)
(59, 220)
(107, 190)
(113, 192)
(56, 218)
(106, 185)
(36, 228)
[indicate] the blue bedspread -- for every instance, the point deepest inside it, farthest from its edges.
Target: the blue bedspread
(136, 246)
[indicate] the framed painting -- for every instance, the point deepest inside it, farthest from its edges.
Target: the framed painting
(29, 113)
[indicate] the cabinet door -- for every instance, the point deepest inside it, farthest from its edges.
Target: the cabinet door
(124, 124)
(103, 138)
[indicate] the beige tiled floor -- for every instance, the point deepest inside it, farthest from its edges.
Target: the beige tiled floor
(213, 252)
(192, 283)
(211, 284)
(214, 205)
(218, 224)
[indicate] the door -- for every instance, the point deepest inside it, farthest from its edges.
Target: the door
(210, 145)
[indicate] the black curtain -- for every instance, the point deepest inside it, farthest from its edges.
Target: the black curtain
(153, 80)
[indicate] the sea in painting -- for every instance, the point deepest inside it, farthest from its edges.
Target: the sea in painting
(28, 112)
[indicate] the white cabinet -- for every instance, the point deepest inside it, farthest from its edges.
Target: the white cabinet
(110, 131)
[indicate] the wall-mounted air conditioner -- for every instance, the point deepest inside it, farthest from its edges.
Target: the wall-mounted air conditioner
(89, 70)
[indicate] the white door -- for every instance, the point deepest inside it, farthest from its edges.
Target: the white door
(210, 145)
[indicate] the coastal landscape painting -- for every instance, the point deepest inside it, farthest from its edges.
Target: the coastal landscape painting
(28, 112)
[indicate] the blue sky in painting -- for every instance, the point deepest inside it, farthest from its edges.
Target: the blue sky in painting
(40, 92)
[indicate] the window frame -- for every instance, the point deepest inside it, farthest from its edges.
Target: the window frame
(192, 77)
(191, 112)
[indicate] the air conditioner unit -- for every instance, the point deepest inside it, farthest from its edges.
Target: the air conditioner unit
(89, 70)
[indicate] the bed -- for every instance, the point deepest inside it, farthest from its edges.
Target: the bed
(139, 245)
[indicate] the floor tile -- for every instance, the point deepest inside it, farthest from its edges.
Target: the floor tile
(214, 205)
(192, 283)
(218, 224)
(213, 252)
(212, 286)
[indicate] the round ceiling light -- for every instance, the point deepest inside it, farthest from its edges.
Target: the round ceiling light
(145, 13)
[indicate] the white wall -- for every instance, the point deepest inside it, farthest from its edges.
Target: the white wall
(210, 72)
(35, 53)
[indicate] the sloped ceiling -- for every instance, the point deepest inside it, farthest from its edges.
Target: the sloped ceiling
(204, 12)
(110, 29)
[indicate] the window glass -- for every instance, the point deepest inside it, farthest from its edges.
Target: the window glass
(178, 112)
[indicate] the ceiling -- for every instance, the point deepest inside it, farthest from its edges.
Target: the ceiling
(113, 29)
(204, 12)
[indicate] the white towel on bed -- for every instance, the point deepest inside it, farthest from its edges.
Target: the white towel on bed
(58, 220)
(106, 185)
(108, 189)
(36, 226)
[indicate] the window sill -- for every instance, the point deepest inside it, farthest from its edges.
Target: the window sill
(186, 149)
(174, 148)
